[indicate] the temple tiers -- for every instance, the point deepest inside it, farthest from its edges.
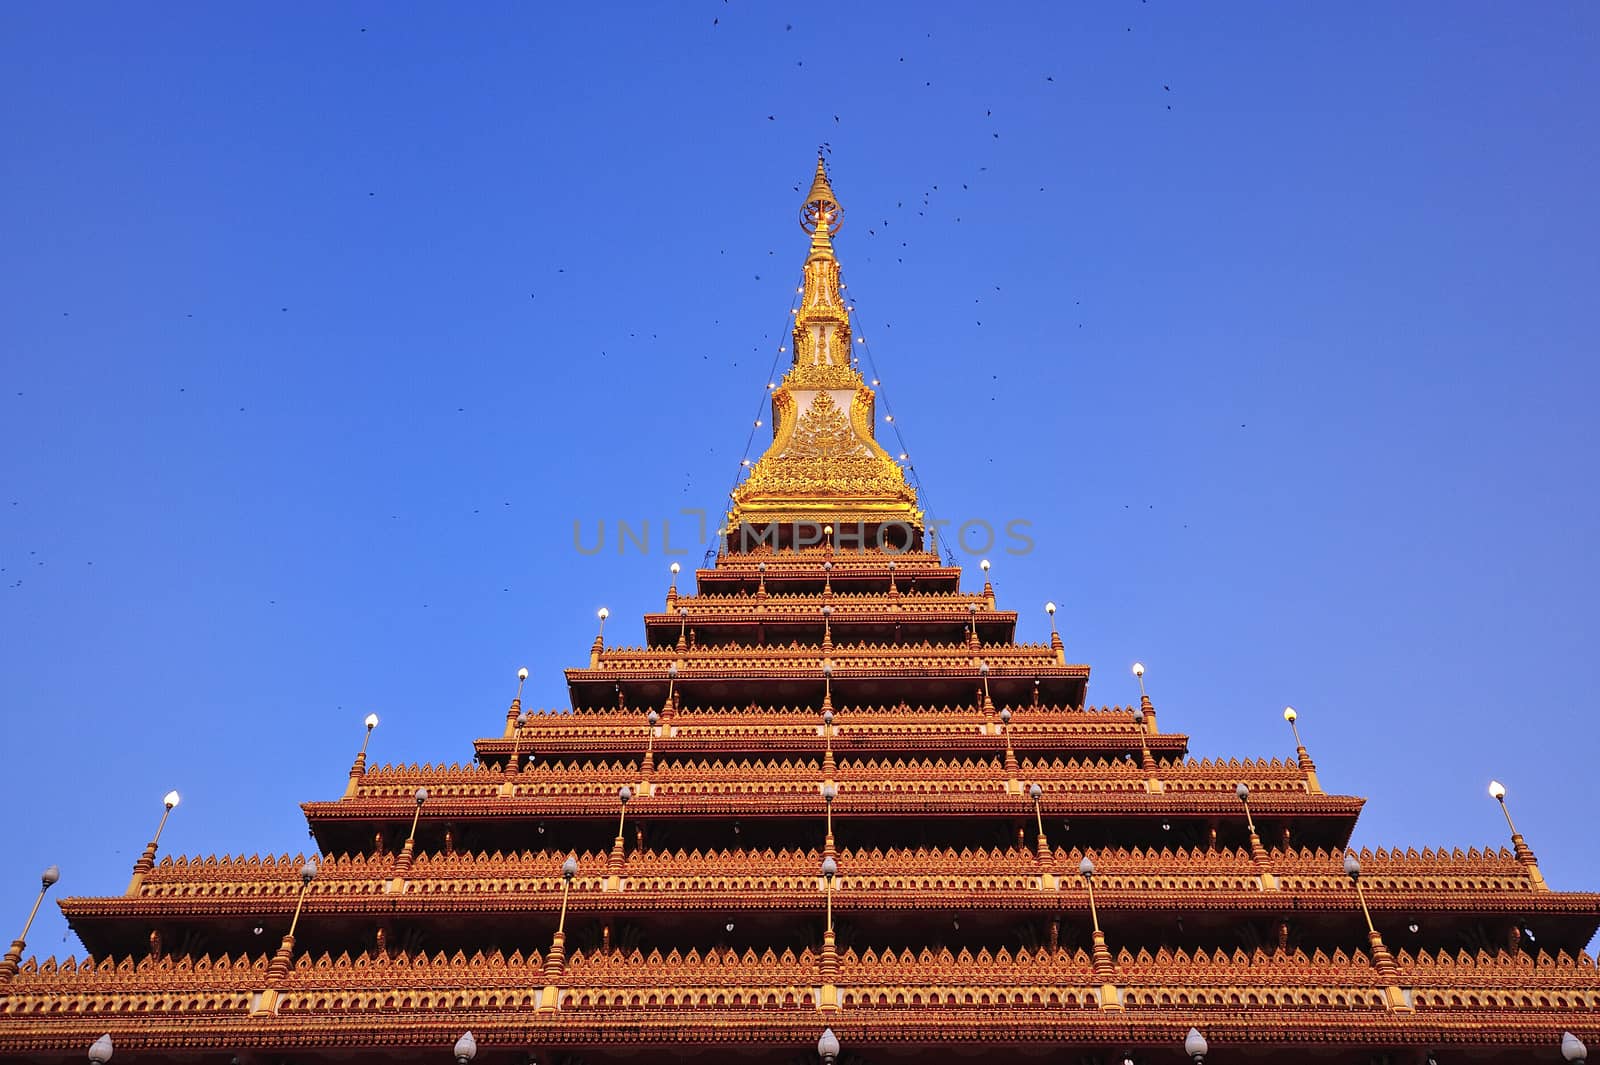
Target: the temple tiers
(829, 788)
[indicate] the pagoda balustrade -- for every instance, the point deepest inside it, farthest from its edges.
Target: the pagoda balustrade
(864, 659)
(806, 606)
(1459, 982)
(1058, 776)
(1127, 878)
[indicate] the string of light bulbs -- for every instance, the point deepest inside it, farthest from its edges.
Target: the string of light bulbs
(888, 416)
(904, 450)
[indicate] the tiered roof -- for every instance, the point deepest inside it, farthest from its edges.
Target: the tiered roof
(829, 788)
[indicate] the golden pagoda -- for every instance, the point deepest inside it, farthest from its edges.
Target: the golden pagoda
(830, 807)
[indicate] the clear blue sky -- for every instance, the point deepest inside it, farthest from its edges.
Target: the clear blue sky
(320, 328)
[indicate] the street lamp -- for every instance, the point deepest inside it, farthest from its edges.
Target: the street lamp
(1101, 952)
(1012, 785)
(100, 1050)
(828, 1047)
(359, 766)
(555, 961)
(308, 873)
(371, 722)
(1050, 608)
(421, 796)
(1035, 792)
(1194, 1045)
(1573, 1050)
(624, 793)
(13, 957)
(827, 738)
(672, 589)
(830, 869)
(1382, 960)
(830, 791)
(1243, 792)
(830, 950)
(466, 1048)
(1497, 791)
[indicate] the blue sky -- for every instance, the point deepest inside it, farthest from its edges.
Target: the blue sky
(323, 325)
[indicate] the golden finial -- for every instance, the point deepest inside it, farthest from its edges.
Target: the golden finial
(820, 214)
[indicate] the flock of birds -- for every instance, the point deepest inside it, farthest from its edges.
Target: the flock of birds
(874, 233)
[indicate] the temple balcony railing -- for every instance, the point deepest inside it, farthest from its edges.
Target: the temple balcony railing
(1259, 983)
(867, 658)
(1057, 776)
(584, 722)
(789, 878)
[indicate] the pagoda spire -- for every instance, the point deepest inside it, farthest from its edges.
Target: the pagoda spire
(824, 465)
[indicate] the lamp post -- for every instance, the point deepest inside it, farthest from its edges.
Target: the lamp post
(672, 683)
(1497, 791)
(828, 1047)
(1194, 1045)
(13, 957)
(830, 950)
(1055, 637)
(466, 1048)
(1035, 792)
(1013, 785)
(683, 629)
(830, 791)
(1144, 699)
(827, 686)
(1110, 997)
(972, 625)
(599, 638)
(827, 573)
(421, 796)
(1258, 853)
(761, 579)
(100, 1050)
(515, 764)
(614, 866)
(672, 589)
(555, 961)
(1307, 766)
(988, 588)
(514, 711)
(278, 970)
(308, 873)
(651, 720)
(827, 628)
(827, 744)
(1146, 760)
(147, 859)
(1573, 1050)
(1382, 960)
(893, 589)
(359, 766)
